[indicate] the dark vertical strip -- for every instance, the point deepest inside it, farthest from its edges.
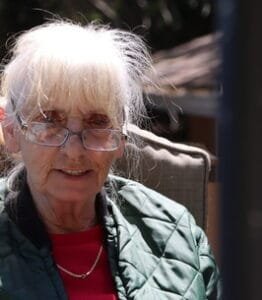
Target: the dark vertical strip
(241, 148)
(251, 110)
(228, 155)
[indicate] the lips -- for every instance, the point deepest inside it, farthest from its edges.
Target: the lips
(74, 172)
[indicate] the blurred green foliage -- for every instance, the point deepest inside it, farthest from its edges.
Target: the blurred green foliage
(164, 23)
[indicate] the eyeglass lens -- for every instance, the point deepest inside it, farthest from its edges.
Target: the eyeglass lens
(50, 135)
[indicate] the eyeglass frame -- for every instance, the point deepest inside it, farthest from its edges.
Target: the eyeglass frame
(24, 127)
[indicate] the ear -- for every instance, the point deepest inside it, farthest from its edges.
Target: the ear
(11, 140)
(2, 114)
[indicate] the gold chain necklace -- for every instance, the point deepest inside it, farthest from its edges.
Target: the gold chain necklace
(84, 275)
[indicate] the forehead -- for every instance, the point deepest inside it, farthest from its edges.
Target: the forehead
(77, 97)
(57, 109)
(66, 112)
(73, 110)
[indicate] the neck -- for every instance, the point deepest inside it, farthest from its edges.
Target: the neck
(68, 223)
(65, 217)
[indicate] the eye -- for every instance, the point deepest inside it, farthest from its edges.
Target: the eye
(98, 121)
(50, 116)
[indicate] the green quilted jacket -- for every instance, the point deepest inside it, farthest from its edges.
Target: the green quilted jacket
(155, 249)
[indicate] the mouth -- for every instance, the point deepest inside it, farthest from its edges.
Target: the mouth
(75, 173)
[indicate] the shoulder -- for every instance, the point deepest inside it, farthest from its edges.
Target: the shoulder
(3, 187)
(151, 210)
(3, 191)
(158, 229)
(5, 241)
(137, 196)
(136, 201)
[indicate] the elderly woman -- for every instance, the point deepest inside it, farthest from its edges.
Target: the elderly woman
(68, 229)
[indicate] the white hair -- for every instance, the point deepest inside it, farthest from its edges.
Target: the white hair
(72, 65)
(69, 65)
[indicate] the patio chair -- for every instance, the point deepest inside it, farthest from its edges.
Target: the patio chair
(176, 170)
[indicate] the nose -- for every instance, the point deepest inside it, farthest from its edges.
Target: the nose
(72, 134)
(74, 124)
(73, 146)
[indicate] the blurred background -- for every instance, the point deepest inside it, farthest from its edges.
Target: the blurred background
(165, 23)
(181, 37)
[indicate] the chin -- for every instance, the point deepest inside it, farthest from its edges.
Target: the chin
(77, 197)
(74, 189)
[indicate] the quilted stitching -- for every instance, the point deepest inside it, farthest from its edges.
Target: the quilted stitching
(159, 253)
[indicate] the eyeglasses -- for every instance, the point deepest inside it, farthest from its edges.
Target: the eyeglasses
(53, 135)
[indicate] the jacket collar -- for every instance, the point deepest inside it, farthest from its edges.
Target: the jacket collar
(22, 211)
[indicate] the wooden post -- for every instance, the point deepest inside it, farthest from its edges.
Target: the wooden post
(241, 149)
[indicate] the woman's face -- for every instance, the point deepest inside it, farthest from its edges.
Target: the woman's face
(70, 172)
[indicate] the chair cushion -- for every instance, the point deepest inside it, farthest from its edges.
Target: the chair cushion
(178, 171)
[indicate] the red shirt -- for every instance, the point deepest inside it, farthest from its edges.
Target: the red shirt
(77, 252)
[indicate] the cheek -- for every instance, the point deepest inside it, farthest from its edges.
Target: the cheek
(103, 162)
(38, 162)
